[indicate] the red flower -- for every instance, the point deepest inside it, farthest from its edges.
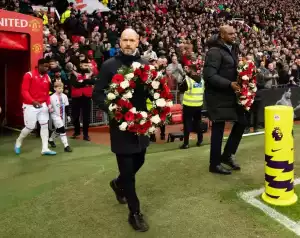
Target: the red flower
(132, 84)
(120, 89)
(124, 104)
(167, 110)
(166, 88)
(118, 116)
(163, 81)
(138, 116)
(128, 105)
(163, 117)
(142, 129)
(144, 77)
(132, 128)
(118, 78)
(129, 116)
(147, 67)
(121, 103)
(137, 72)
(170, 96)
(155, 112)
(154, 74)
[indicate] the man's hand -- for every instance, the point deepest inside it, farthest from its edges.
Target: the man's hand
(0, 110)
(36, 104)
(236, 87)
(50, 108)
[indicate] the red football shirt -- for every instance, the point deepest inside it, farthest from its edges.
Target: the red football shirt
(35, 87)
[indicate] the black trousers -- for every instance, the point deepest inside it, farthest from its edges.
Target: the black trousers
(254, 112)
(192, 122)
(129, 165)
(217, 132)
(81, 104)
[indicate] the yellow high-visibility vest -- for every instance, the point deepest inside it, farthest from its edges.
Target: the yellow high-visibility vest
(193, 97)
(65, 16)
(45, 19)
(149, 104)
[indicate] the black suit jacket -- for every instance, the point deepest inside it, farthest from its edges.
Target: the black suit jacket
(122, 142)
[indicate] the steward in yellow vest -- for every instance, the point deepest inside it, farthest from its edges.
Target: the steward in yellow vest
(193, 89)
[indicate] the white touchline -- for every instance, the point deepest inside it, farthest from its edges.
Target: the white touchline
(249, 134)
(249, 197)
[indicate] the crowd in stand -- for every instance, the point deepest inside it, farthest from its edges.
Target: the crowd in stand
(177, 30)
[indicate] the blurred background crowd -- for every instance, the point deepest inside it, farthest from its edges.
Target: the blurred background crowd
(176, 31)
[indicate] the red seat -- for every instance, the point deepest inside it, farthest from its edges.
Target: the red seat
(176, 111)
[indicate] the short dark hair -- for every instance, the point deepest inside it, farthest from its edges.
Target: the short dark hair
(43, 61)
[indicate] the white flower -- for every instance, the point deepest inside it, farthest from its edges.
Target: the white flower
(152, 129)
(144, 114)
(136, 65)
(155, 84)
(111, 96)
(123, 126)
(142, 122)
(133, 110)
(151, 67)
(249, 93)
(127, 95)
(155, 119)
(245, 77)
(251, 85)
(254, 89)
(169, 104)
(112, 107)
(243, 102)
(129, 76)
(161, 102)
(156, 95)
(124, 84)
(113, 85)
(116, 93)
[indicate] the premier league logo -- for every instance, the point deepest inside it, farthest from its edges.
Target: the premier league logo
(277, 134)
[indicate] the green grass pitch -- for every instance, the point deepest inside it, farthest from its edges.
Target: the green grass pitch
(68, 195)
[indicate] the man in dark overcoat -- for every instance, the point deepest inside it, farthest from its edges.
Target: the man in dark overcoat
(129, 148)
(221, 87)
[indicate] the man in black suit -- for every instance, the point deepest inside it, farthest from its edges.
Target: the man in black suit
(221, 87)
(129, 148)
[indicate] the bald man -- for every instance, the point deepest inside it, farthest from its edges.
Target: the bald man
(129, 148)
(220, 76)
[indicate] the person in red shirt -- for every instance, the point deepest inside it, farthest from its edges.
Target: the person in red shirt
(36, 105)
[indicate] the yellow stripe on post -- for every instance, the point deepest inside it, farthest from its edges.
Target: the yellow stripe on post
(279, 156)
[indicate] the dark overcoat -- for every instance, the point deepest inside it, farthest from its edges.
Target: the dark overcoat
(122, 142)
(220, 70)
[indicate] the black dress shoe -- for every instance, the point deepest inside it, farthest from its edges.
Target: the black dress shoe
(68, 149)
(184, 147)
(86, 138)
(231, 163)
(52, 144)
(75, 135)
(219, 169)
(137, 222)
(199, 143)
(118, 192)
(162, 137)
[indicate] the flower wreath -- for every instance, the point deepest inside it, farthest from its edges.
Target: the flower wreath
(121, 91)
(247, 81)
